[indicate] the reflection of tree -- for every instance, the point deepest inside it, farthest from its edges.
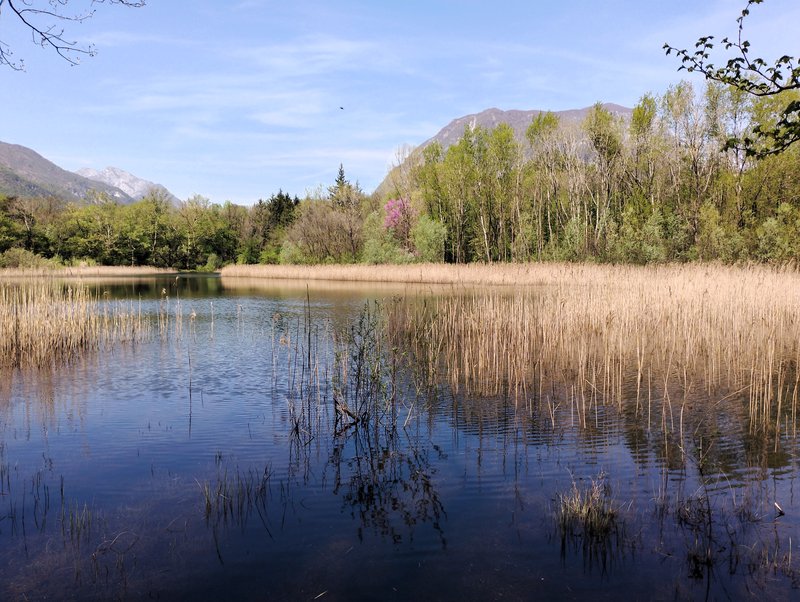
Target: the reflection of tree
(386, 481)
(382, 473)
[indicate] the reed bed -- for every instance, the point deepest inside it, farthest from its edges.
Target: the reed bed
(506, 274)
(42, 323)
(609, 334)
(80, 271)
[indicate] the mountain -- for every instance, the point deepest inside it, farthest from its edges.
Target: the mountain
(518, 120)
(24, 172)
(490, 119)
(133, 186)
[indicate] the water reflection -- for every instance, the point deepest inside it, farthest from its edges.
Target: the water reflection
(260, 432)
(386, 482)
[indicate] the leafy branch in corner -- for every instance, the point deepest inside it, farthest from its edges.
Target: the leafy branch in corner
(45, 20)
(754, 76)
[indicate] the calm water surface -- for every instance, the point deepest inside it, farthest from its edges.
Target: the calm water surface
(207, 463)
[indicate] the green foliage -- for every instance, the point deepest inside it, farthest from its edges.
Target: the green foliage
(542, 125)
(715, 241)
(213, 263)
(777, 237)
(291, 253)
(384, 251)
(429, 236)
(601, 128)
(572, 246)
(643, 117)
(270, 256)
(22, 258)
(751, 75)
(380, 244)
(640, 240)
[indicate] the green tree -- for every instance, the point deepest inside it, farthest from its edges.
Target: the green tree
(605, 137)
(346, 201)
(543, 177)
(12, 232)
(429, 238)
(154, 235)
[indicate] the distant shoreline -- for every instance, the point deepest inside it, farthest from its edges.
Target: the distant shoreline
(85, 271)
(500, 274)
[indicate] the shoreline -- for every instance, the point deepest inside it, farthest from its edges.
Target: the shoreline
(505, 274)
(105, 271)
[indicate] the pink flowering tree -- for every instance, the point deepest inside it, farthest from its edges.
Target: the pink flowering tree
(400, 217)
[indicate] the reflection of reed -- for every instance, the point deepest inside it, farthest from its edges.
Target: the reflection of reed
(386, 482)
(384, 478)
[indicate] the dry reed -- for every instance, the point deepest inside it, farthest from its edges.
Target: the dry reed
(618, 334)
(509, 274)
(43, 323)
(105, 271)
(589, 511)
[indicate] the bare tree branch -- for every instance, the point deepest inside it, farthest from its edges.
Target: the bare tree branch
(45, 20)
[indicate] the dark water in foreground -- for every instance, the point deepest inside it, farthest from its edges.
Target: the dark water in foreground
(208, 464)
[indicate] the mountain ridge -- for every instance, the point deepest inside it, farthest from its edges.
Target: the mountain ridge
(26, 173)
(134, 186)
(518, 119)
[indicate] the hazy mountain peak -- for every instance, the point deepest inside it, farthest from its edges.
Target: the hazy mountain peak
(25, 173)
(519, 120)
(133, 186)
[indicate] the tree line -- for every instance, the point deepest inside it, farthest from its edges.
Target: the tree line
(662, 184)
(196, 234)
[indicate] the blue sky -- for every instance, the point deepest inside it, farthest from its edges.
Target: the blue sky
(235, 100)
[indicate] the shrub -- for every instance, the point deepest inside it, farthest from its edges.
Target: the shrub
(213, 263)
(428, 236)
(777, 236)
(22, 258)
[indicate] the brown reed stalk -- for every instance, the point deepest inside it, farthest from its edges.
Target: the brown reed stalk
(43, 322)
(599, 328)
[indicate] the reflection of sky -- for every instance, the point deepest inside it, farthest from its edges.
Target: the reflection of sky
(136, 431)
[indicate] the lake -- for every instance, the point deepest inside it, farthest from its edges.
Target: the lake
(267, 441)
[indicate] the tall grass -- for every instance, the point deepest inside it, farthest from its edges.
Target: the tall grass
(620, 335)
(81, 271)
(43, 323)
(509, 274)
(579, 335)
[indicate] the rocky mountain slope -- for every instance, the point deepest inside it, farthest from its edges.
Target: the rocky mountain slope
(25, 173)
(518, 120)
(133, 186)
